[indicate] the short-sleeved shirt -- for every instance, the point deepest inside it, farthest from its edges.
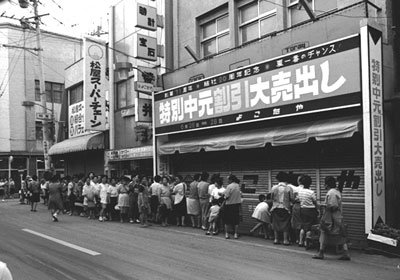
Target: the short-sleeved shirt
(233, 194)
(153, 190)
(193, 191)
(203, 189)
(307, 198)
(282, 194)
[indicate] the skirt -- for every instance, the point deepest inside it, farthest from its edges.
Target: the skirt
(35, 197)
(231, 214)
(180, 208)
(280, 220)
(193, 206)
(154, 204)
(296, 218)
(123, 200)
(309, 216)
(55, 204)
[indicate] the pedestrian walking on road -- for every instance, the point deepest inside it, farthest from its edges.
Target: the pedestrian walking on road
(331, 221)
(34, 188)
(55, 198)
(233, 203)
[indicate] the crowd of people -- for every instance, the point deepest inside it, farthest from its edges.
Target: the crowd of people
(286, 214)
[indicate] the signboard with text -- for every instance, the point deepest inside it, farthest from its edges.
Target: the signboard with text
(130, 153)
(146, 47)
(323, 77)
(146, 17)
(95, 85)
(76, 119)
(373, 122)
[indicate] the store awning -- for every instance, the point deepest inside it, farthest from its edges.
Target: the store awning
(93, 141)
(336, 128)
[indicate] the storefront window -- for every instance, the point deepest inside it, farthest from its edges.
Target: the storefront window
(297, 14)
(19, 163)
(54, 91)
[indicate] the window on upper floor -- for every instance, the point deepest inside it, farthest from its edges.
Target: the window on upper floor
(76, 94)
(297, 13)
(125, 97)
(54, 91)
(215, 36)
(256, 19)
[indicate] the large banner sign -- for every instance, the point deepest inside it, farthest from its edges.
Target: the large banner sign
(324, 77)
(95, 85)
(374, 141)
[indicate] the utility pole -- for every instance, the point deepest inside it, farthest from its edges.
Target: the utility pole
(47, 140)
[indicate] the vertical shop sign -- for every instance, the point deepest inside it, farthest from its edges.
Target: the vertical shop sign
(76, 117)
(146, 17)
(95, 85)
(374, 152)
(146, 47)
(143, 109)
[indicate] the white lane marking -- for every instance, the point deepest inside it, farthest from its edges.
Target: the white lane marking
(67, 244)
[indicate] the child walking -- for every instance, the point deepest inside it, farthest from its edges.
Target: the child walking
(212, 220)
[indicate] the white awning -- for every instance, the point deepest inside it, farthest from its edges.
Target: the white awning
(336, 128)
(93, 141)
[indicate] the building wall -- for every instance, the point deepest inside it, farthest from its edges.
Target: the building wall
(58, 52)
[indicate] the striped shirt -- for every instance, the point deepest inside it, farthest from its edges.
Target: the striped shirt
(307, 198)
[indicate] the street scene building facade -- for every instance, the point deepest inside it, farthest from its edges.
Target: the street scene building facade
(261, 87)
(21, 126)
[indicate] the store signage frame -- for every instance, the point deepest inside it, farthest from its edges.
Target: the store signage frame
(349, 95)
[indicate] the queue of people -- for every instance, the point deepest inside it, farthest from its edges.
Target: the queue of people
(286, 214)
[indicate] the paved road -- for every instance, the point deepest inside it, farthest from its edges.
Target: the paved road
(129, 252)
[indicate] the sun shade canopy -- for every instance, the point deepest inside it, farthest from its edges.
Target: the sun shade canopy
(336, 128)
(94, 141)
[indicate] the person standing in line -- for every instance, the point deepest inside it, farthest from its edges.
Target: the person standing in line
(165, 202)
(123, 198)
(11, 186)
(153, 192)
(55, 197)
(180, 200)
(113, 194)
(2, 189)
(73, 194)
(34, 188)
(332, 220)
(282, 196)
(308, 209)
(212, 220)
(296, 218)
(144, 204)
(262, 215)
(104, 198)
(193, 203)
(89, 193)
(203, 198)
(133, 200)
(233, 203)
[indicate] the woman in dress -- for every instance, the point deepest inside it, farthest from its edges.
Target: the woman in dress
(55, 198)
(193, 202)
(180, 200)
(164, 196)
(34, 188)
(331, 221)
(282, 196)
(123, 198)
(233, 202)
